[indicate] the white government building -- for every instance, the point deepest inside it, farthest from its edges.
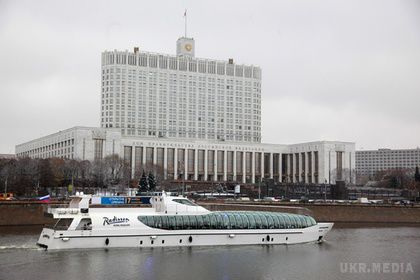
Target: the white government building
(369, 162)
(195, 119)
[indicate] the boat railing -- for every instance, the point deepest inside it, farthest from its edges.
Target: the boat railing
(63, 211)
(54, 206)
(183, 208)
(57, 227)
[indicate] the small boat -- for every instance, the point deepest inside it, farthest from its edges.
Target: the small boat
(173, 221)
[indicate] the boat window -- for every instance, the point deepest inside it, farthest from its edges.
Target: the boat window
(171, 222)
(185, 202)
(213, 221)
(149, 221)
(184, 224)
(252, 223)
(247, 221)
(63, 224)
(296, 221)
(239, 223)
(287, 221)
(164, 222)
(206, 221)
(158, 221)
(270, 221)
(219, 221)
(193, 222)
(244, 219)
(264, 221)
(302, 221)
(257, 221)
(85, 224)
(292, 221)
(142, 219)
(225, 223)
(227, 220)
(275, 220)
(281, 221)
(200, 223)
(312, 221)
(232, 221)
(179, 224)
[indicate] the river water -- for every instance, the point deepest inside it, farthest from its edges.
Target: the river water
(348, 253)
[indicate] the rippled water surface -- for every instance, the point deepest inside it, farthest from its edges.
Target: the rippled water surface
(348, 253)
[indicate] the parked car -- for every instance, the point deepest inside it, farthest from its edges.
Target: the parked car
(304, 199)
(270, 199)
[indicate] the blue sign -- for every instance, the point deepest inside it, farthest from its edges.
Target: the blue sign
(113, 200)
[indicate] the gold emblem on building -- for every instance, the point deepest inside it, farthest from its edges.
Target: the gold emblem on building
(188, 47)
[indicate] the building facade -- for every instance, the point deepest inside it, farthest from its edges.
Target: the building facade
(369, 162)
(184, 159)
(7, 156)
(180, 96)
(81, 143)
(192, 119)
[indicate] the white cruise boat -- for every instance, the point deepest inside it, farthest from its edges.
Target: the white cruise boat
(173, 221)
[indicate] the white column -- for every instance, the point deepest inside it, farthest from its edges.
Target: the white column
(195, 164)
(215, 165)
(243, 167)
(288, 168)
(292, 168)
(262, 165)
(205, 165)
(225, 165)
(306, 167)
(253, 167)
(175, 163)
(234, 166)
(300, 167)
(133, 160)
(154, 155)
(165, 163)
(143, 164)
(186, 164)
(280, 168)
(343, 166)
(313, 166)
(271, 165)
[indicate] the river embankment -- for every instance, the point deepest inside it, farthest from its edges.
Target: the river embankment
(21, 213)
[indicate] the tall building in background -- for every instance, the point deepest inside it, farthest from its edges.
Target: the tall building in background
(191, 119)
(180, 96)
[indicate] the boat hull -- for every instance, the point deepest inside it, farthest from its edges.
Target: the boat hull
(132, 238)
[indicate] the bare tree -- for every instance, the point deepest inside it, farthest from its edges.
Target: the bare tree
(117, 171)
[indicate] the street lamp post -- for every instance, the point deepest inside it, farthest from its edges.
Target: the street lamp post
(325, 190)
(5, 185)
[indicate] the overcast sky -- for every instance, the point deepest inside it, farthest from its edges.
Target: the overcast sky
(332, 70)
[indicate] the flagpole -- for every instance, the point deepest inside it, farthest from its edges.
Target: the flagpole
(185, 15)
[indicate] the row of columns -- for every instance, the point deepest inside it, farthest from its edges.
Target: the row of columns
(302, 167)
(304, 171)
